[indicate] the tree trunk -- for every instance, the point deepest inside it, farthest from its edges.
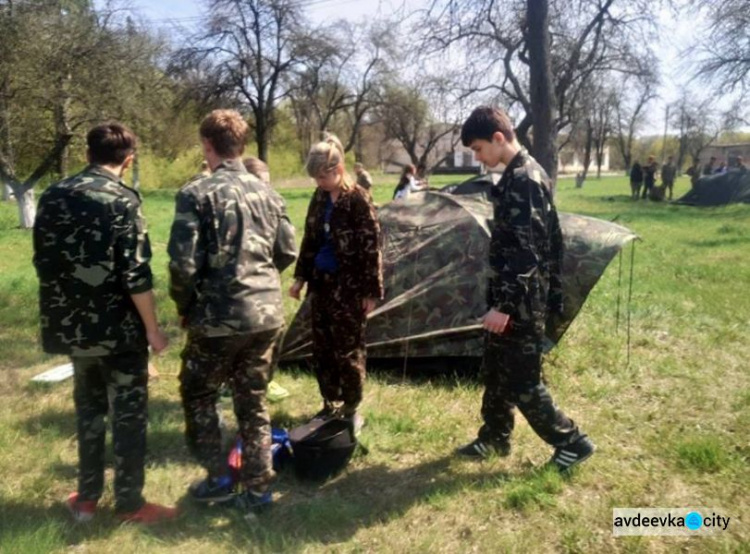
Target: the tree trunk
(540, 81)
(261, 137)
(137, 172)
(586, 154)
(26, 206)
(6, 192)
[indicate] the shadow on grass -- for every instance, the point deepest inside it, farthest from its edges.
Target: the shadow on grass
(36, 528)
(333, 512)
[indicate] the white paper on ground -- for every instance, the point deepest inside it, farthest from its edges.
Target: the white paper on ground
(55, 375)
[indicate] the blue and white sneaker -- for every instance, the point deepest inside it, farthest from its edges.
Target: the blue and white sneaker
(213, 489)
(566, 457)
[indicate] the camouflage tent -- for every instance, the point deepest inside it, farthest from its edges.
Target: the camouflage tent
(717, 190)
(435, 258)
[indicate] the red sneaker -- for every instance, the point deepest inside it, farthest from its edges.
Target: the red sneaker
(149, 514)
(81, 510)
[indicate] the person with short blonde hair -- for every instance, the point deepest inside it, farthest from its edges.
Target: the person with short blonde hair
(341, 263)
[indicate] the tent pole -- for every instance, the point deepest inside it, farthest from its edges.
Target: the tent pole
(630, 294)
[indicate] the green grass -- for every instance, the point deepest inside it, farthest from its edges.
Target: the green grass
(671, 426)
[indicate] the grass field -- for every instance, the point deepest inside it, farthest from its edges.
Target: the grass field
(671, 427)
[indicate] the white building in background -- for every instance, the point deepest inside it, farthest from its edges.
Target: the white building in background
(570, 161)
(450, 156)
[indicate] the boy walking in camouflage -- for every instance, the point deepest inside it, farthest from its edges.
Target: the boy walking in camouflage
(525, 286)
(91, 253)
(230, 239)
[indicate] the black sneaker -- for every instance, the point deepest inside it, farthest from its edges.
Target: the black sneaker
(250, 503)
(481, 450)
(565, 457)
(213, 489)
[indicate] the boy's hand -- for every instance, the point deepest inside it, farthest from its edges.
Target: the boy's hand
(157, 340)
(496, 322)
(368, 305)
(296, 289)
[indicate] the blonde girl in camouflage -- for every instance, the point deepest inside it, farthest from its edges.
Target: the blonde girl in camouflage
(341, 264)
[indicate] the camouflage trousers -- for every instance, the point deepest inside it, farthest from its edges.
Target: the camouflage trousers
(512, 367)
(245, 362)
(338, 337)
(122, 381)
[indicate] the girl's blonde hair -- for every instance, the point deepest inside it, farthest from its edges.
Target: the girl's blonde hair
(327, 155)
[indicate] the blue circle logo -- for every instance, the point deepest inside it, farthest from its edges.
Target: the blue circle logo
(694, 521)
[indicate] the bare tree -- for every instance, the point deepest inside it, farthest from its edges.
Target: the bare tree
(246, 57)
(336, 84)
(724, 52)
(698, 124)
(586, 37)
(633, 96)
(419, 115)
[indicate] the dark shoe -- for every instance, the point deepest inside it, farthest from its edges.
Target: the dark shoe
(565, 457)
(250, 503)
(213, 489)
(326, 413)
(81, 510)
(149, 514)
(481, 450)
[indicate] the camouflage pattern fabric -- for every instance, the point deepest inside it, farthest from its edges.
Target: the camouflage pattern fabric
(123, 378)
(435, 253)
(718, 190)
(91, 252)
(245, 362)
(668, 172)
(526, 246)
(511, 368)
(230, 238)
(355, 233)
(338, 339)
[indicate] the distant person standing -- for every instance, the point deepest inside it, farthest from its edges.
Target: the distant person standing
(649, 176)
(340, 262)
(740, 164)
(525, 286)
(636, 180)
(709, 168)
(92, 254)
(363, 177)
(668, 173)
(229, 240)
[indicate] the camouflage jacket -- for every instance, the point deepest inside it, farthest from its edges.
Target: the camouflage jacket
(230, 238)
(356, 237)
(91, 252)
(526, 247)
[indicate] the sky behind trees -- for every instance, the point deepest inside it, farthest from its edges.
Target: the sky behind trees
(677, 33)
